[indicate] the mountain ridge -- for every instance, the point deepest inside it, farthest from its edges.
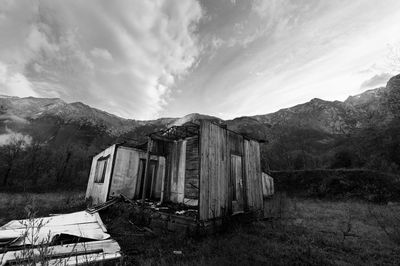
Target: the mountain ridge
(330, 117)
(32, 108)
(361, 132)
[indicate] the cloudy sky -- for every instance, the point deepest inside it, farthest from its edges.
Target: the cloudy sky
(149, 59)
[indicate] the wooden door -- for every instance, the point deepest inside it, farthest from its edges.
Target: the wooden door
(236, 183)
(150, 180)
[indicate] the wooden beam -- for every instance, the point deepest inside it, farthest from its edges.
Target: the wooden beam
(146, 169)
(157, 137)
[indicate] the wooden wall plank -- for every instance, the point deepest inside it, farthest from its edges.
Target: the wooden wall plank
(204, 171)
(260, 199)
(160, 177)
(173, 171)
(177, 172)
(214, 171)
(192, 168)
(253, 175)
(126, 166)
(181, 171)
(216, 146)
(248, 176)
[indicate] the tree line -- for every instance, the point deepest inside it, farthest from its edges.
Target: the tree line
(39, 166)
(373, 148)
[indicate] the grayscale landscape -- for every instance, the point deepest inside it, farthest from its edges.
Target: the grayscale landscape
(199, 132)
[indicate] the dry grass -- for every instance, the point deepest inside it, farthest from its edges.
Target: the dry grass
(13, 205)
(311, 232)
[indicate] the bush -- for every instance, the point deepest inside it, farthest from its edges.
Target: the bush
(362, 184)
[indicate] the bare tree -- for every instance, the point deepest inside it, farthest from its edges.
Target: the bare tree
(10, 153)
(34, 161)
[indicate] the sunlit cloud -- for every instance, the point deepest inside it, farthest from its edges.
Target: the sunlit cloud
(146, 59)
(121, 56)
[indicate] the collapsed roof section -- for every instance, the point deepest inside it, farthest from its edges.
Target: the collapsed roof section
(174, 133)
(191, 129)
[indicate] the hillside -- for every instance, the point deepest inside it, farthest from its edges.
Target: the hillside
(335, 117)
(363, 131)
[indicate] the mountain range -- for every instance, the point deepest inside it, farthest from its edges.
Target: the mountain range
(320, 125)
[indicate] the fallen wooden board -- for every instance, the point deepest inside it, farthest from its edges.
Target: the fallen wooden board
(102, 206)
(85, 259)
(66, 254)
(78, 224)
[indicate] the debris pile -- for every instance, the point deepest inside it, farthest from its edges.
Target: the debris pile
(64, 239)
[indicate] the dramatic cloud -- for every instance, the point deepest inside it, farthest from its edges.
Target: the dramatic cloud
(120, 56)
(14, 83)
(145, 59)
(265, 55)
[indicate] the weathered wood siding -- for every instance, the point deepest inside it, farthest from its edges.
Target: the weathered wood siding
(192, 169)
(98, 191)
(125, 179)
(160, 177)
(177, 161)
(217, 148)
(235, 147)
(214, 172)
(236, 184)
(125, 172)
(268, 185)
(252, 169)
(235, 143)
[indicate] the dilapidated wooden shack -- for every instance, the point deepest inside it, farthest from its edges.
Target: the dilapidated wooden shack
(120, 170)
(204, 165)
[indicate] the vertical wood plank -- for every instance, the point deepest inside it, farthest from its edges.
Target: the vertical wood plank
(192, 168)
(160, 177)
(181, 172)
(146, 169)
(259, 176)
(204, 204)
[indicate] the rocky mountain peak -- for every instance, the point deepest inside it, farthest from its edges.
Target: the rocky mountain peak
(394, 83)
(194, 117)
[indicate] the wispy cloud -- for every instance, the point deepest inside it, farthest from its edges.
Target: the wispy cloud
(121, 56)
(101, 53)
(376, 81)
(293, 51)
(145, 59)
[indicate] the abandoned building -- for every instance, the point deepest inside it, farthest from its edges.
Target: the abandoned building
(204, 166)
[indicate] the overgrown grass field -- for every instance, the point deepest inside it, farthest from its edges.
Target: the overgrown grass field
(16, 205)
(308, 232)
